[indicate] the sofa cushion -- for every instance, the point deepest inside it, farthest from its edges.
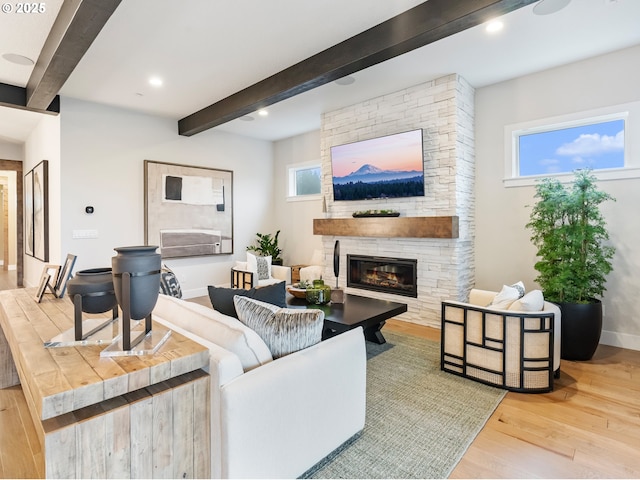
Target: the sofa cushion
(531, 302)
(284, 330)
(222, 298)
(259, 265)
(508, 295)
(169, 284)
(227, 332)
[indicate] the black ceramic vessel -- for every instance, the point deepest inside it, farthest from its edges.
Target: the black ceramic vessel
(143, 264)
(95, 285)
(581, 325)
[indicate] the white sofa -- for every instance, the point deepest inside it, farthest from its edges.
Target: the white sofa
(272, 418)
(515, 348)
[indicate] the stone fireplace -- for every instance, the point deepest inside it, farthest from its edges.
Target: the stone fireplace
(383, 274)
(444, 263)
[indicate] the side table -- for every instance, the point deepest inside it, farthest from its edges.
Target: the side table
(295, 272)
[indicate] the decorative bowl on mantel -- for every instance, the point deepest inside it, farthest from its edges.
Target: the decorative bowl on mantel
(376, 213)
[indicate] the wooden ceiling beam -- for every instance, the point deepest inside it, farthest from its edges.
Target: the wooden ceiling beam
(74, 30)
(424, 24)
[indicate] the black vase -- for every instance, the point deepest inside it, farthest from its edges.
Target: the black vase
(95, 285)
(143, 264)
(581, 326)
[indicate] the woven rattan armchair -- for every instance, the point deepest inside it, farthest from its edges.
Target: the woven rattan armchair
(510, 349)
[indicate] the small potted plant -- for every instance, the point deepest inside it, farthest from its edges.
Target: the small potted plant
(268, 245)
(574, 259)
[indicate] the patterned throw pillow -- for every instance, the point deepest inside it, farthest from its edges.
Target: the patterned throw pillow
(259, 265)
(169, 284)
(284, 330)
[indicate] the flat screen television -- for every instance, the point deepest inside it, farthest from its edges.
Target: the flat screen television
(385, 167)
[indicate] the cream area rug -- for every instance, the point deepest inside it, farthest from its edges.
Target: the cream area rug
(419, 420)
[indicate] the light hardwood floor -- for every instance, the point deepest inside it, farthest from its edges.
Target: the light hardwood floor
(589, 426)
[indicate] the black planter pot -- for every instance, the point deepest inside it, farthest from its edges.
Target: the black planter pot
(143, 263)
(95, 285)
(581, 329)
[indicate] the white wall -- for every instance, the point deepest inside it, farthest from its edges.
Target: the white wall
(504, 253)
(295, 218)
(11, 150)
(43, 143)
(103, 150)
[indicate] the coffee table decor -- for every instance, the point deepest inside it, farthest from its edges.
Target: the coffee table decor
(318, 293)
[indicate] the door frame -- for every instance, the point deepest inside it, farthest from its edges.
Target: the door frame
(16, 166)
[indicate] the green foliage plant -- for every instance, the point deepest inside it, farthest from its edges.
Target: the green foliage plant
(267, 245)
(571, 237)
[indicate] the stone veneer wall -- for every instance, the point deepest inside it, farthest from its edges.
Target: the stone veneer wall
(444, 109)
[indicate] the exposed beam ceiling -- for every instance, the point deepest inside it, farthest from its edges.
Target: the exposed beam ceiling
(417, 27)
(74, 30)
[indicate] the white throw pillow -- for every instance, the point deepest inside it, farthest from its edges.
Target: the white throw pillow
(531, 302)
(284, 330)
(508, 295)
(259, 265)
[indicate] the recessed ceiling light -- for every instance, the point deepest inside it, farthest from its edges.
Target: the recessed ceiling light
(262, 112)
(348, 80)
(155, 81)
(547, 7)
(494, 26)
(247, 118)
(18, 59)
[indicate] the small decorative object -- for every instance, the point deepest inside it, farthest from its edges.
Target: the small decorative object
(44, 281)
(337, 294)
(54, 272)
(319, 293)
(297, 291)
(91, 291)
(375, 213)
(136, 278)
(65, 275)
(268, 246)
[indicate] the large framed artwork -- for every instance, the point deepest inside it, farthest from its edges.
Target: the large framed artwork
(188, 211)
(36, 188)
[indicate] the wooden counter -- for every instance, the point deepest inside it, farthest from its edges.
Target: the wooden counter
(113, 417)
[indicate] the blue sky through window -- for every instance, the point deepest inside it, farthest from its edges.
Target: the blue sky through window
(595, 146)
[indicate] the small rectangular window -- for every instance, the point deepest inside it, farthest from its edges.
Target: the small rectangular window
(304, 181)
(603, 140)
(594, 145)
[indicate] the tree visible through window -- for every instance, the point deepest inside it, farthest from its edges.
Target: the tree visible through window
(304, 180)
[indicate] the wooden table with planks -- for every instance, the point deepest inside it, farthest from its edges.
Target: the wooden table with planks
(108, 417)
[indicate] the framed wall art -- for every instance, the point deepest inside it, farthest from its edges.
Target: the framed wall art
(188, 210)
(36, 195)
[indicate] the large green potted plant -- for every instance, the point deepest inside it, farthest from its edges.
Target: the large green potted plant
(268, 245)
(574, 259)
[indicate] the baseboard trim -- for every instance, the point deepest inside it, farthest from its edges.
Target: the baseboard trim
(195, 292)
(622, 340)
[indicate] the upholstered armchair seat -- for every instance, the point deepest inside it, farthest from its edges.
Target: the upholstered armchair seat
(513, 349)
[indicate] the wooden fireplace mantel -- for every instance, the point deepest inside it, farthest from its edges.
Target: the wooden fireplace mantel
(388, 227)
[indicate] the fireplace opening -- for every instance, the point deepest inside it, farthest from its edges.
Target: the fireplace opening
(382, 274)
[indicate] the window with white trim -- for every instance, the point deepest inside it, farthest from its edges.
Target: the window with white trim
(304, 181)
(598, 140)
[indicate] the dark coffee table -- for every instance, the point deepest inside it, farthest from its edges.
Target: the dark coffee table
(356, 311)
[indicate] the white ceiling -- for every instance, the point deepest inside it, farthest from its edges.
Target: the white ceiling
(207, 50)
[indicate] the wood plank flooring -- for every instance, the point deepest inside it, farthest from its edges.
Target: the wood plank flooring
(588, 427)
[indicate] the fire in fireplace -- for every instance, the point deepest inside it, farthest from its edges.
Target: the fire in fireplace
(382, 274)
